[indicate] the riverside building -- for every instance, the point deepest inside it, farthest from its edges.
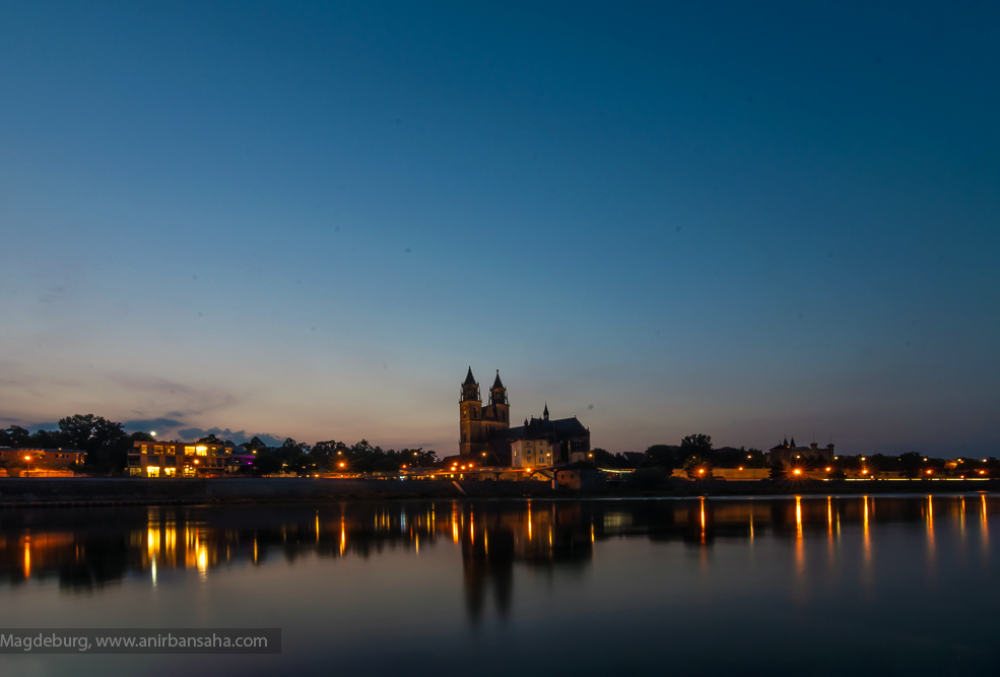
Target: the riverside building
(181, 459)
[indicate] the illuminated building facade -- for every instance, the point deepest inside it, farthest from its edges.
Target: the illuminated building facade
(179, 459)
(543, 442)
(40, 462)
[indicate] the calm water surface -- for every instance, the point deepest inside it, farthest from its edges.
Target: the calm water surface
(820, 586)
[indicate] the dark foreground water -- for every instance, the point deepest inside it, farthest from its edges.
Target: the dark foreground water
(816, 586)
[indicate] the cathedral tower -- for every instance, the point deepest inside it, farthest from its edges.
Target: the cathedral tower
(479, 425)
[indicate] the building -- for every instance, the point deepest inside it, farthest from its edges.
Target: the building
(579, 477)
(40, 462)
(544, 442)
(483, 429)
(181, 459)
(540, 442)
(787, 453)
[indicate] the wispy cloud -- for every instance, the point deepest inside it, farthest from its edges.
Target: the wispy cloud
(148, 424)
(182, 400)
(237, 436)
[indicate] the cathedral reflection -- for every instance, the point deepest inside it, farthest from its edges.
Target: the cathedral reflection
(92, 548)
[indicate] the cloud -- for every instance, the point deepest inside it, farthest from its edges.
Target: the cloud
(237, 436)
(160, 394)
(145, 425)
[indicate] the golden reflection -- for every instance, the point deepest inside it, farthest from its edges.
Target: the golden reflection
(170, 541)
(829, 531)
(985, 529)
(202, 561)
(961, 520)
(829, 516)
(930, 529)
(867, 534)
(190, 538)
(800, 548)
(703, 520)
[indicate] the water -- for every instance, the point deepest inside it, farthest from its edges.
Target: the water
(816, 586)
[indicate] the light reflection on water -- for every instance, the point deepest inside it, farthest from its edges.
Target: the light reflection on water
(812, 569)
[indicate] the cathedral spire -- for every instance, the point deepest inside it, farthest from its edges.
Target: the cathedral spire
(545, 414)
(470, 389)
(498, 394)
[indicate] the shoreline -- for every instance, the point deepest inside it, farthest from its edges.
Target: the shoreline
(110, 492)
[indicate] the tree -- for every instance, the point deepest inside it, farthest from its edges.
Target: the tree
(256, 444)
(603, 458)
(698, 467)
(15, 436)
(82, 430)
(660, 456)
(106, 442)
(911, 463)
(266, 463)
(212, 439)
(777, 470)
(46, 439)
(698, 444)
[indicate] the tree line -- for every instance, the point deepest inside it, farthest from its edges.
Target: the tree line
(697, 457)
(108, 444)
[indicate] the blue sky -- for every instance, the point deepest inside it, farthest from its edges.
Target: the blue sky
(307, 219)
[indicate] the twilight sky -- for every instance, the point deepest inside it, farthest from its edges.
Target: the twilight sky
(751, 220)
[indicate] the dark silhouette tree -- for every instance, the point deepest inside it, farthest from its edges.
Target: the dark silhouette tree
(696, 444)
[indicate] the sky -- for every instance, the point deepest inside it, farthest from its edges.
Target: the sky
(308, 220)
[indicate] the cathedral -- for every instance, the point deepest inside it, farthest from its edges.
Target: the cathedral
(482, 427)
(485, 431)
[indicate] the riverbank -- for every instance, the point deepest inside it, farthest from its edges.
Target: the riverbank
(79, 491)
